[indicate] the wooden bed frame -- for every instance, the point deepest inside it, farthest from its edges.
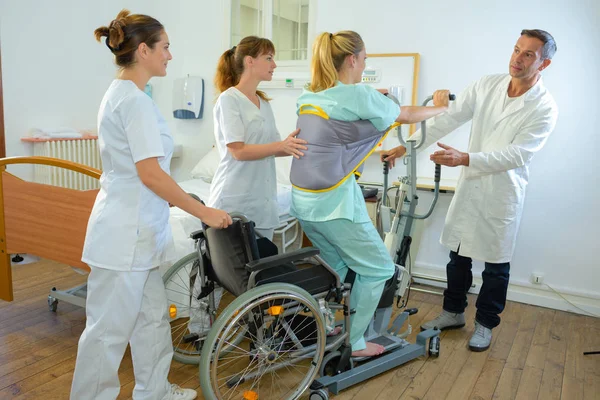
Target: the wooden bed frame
(43, 220)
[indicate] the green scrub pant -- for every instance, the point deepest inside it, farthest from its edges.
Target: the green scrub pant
(357, 246)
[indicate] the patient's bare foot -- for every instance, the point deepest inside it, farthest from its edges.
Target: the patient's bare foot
(336, 331)
(372, 349)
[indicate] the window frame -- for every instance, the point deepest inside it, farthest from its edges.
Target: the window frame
(267, 28)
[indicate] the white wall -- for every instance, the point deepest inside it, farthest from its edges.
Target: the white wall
(462, 40)
(55, 73)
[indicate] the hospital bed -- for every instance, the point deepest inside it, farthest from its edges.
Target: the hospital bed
(50, 222)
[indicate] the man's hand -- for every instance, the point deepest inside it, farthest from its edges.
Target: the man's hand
(391, 155)
(449, 157)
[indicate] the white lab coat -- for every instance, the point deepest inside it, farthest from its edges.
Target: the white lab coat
(249, 187)
(484, 215)
(128, 229)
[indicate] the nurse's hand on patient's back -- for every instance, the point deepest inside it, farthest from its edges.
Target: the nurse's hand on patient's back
(292, 146)
(216, 218)
(391, 155)
(441, 98)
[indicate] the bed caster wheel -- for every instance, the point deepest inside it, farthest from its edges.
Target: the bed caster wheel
(434, 347)
(330, 363)
(320, 394)
(52, 303)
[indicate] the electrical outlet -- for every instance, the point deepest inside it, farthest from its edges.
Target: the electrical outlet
(537, 278)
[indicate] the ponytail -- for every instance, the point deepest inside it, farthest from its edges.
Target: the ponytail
(226, 76)
(329, 52)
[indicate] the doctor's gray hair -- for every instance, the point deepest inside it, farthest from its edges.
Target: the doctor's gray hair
(126, 32)
(549, 44)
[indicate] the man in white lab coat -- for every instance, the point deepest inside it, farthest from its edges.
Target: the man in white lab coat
(512, 116)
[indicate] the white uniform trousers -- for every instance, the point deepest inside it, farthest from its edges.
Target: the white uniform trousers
(124, 307)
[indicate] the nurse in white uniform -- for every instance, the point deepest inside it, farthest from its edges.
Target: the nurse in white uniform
(247, 137)
(128, 234)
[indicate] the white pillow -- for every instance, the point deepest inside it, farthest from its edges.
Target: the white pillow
(283, 166)
(207, 166)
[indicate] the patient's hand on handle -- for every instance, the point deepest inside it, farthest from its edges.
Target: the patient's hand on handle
(292, 146)
(414, 114)
(371, 350)
(441, 98)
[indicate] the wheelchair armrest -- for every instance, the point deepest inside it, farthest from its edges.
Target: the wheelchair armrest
(279, 259)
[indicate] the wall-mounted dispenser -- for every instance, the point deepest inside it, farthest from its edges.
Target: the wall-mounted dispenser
(188, 97)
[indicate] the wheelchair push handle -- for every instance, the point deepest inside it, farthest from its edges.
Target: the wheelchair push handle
(240, 216)
(233, 215)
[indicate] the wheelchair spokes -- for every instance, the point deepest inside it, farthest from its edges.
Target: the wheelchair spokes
(281, 350)
(191, 318)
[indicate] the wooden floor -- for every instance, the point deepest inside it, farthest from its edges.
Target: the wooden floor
(536, 353)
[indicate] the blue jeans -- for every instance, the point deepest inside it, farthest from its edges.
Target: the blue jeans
(492, 296)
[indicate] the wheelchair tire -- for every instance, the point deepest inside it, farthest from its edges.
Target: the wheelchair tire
(265, 311)
(187, 346)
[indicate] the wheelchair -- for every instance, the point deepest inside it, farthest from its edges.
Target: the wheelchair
(273, 333)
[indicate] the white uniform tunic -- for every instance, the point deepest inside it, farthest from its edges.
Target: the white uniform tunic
(128, 236)
(248, 187)
(484, 215)
(128, 229)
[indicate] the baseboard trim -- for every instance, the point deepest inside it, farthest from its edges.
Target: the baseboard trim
(528, 293)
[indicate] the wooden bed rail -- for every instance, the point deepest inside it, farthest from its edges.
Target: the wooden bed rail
(53, 162)
(44, 220)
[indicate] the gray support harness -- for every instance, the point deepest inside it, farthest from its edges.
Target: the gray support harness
(336, 151)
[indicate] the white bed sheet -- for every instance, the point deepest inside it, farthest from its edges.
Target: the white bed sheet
(183, 224)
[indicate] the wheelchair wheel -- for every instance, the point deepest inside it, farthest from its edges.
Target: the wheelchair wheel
(282, 350)
(189, 317)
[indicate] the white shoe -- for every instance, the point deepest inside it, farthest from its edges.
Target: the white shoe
(445, 320)
(481, 339)
(178, 393)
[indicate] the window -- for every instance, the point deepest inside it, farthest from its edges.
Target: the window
(288, 23)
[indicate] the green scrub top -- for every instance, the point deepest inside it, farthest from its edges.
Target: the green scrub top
(345, 103)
